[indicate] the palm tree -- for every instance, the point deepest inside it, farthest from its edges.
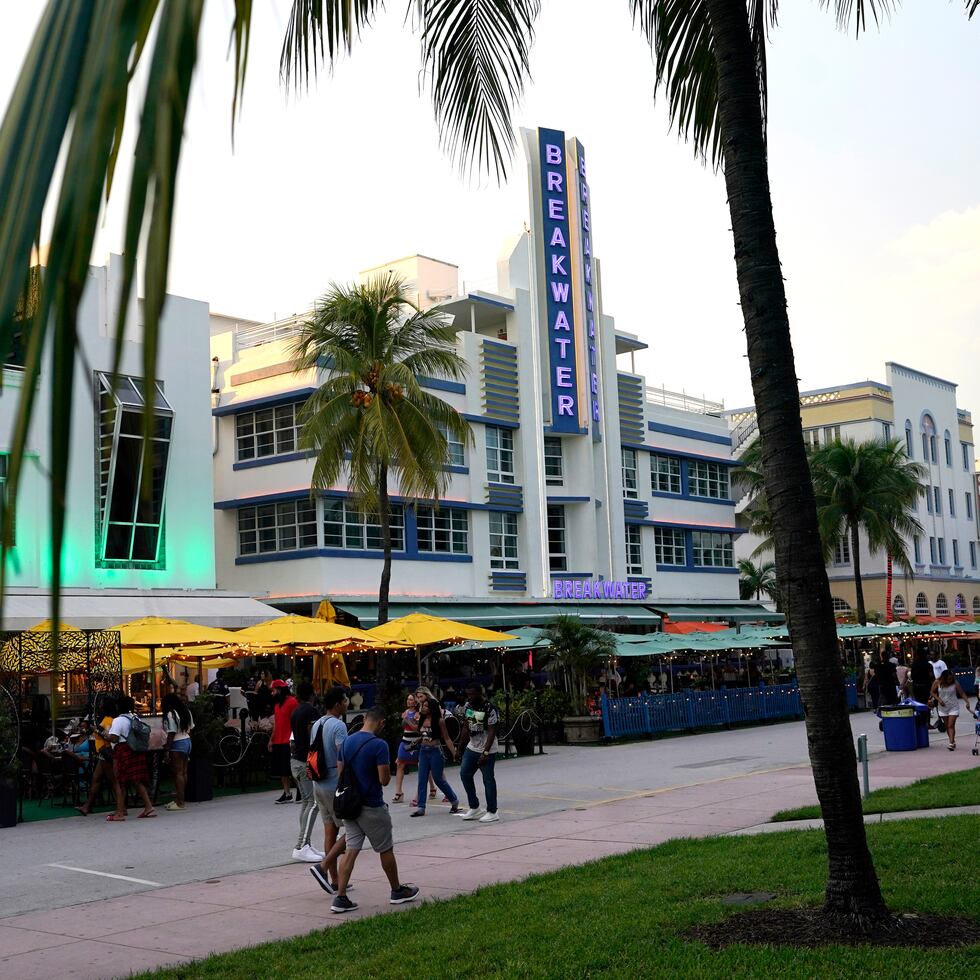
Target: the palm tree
(871, 487)
(754, 580)
(575, 649)
(370, 419)
(710, 58)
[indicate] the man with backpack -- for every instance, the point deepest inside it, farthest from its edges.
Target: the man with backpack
(326, 738)
(363, 768)
(130, 738)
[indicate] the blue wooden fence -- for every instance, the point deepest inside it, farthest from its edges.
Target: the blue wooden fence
(686, 710)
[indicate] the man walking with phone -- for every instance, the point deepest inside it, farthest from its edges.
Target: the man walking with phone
(479, 750)
(366, 757)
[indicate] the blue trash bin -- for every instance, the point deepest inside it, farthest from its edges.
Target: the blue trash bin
(922, 726)
(898, 724)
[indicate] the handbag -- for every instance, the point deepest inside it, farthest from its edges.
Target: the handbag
(940, 724)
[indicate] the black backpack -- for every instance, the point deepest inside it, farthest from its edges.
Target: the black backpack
(347, 799)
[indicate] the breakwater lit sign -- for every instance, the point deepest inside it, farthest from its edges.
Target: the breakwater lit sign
(558, 281)
(587, 588)
(585, 241)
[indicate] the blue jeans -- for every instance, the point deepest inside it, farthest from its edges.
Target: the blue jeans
(468, 769)
(430, 760)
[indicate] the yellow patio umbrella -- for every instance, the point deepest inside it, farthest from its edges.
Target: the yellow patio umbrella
(420, 629)
(300, 631)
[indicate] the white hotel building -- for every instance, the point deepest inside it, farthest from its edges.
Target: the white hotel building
(582, 487)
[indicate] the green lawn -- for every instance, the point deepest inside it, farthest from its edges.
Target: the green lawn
(621, 917)
(951, 789)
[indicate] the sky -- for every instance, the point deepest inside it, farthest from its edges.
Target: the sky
(873, 152)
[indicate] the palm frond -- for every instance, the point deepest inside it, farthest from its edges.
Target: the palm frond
(476, 55)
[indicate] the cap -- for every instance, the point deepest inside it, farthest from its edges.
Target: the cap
(278, 683)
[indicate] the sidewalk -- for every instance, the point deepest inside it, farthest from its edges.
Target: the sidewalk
(175, 924)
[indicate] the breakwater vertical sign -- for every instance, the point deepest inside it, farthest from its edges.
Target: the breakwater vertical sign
(558, 281)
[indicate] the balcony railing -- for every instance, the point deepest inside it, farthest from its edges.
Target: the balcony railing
(683, 401)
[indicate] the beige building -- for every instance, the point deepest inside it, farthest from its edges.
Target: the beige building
(919, 409)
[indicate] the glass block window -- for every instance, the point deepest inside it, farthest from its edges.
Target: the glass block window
(668, 546)
(131, 486)
(898, 606)
(554, 468)
(345, 526)
(503, 541)
(267, 432)
(444, 531)
(455, 450)
(630, 480)
(707, 480)
(557, 542)
(500, 454)
(921, 605)
(665, 474)
(289, 525)
(634, 549)
(713, 550)
(942, 605)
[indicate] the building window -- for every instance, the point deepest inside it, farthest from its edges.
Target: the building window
(557, 547)
(668, 546)
(811, 438)
(929, 499)
(948, 447)
(840, 606)
(4, 459)
(286, 526)
(917, 548)
(503, 540)
(346, 526)
(131, 488)
(444, 531)
(956, 553)
(928, 439)
(886, 431)
(455, 450)
(713, 550)
(842, 551)
(634, 549)
(973, 554)
(965, 449)
(500, 454)
(976, 605)
(554, 469)
(898, 606)
(630, 483)
(267, 432)
(665, 474)
(921, 605)
(969, 505)
(937, 501)
(942, 606)
(942, 551)
(908, 440)
(707, 480)
(932, 551)
(959, 604)
(831, 433)
(952, 504)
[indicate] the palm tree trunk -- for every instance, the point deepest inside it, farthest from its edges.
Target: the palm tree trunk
(384, 522)
(853, 894)
(858, 585)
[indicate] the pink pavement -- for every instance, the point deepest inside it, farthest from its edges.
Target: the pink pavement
(173, 925)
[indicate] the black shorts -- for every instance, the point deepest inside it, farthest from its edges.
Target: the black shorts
(280, 760)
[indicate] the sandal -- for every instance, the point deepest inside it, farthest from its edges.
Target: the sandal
(414, 802)
(145, 814)
(114, 818)
(398, 797)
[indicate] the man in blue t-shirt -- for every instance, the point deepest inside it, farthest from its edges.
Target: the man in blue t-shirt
(370, 763)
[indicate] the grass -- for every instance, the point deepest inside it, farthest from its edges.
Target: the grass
(621, 917)
(950, 789)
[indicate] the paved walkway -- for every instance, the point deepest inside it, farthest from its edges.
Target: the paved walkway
(171, 925)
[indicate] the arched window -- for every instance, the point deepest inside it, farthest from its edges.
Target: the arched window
(976, 605)
(898, 606)
(948, 447)
(942, 606)
(921, 605)
(908, 439)
(959, 604)
(840, 606)
(928, 439)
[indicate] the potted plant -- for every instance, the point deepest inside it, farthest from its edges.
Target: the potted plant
(209, 728)
(575, 650)
(9, 763)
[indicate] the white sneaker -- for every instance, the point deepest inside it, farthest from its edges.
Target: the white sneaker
(472, 813)
(489, 818)
(308, 854)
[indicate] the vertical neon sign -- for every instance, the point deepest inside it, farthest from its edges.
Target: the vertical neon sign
(558, 281)
(585, 236)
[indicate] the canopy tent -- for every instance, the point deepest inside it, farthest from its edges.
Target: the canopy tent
(525, 638)
(694, 627)
(740, 612)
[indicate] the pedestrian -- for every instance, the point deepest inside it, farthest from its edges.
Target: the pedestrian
(921, 676)
(902, 674)
(131, 768)
(938, 665)
(177, 723)
(219, 690)
(193, 689)
(262, 702)
(887, 681)
(284, 704)
(370, 763)
(303, 718)
(103, 771)
(326, 740)
(408, 750)
(946, 694)
(478, 745)
(432, 736)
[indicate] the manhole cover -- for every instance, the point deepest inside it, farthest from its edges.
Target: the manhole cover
(748, 898)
